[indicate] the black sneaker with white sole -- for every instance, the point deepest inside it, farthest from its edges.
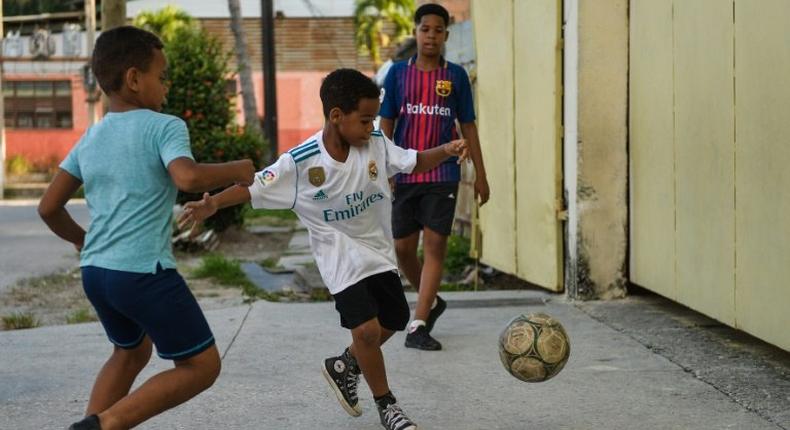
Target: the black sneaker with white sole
(342, 374)
(88, 423)
(435, 313)
(393, 418)
(421, 339)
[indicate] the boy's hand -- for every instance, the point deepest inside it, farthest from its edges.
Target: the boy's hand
(246, 173)
(196, 212)
(457, 148)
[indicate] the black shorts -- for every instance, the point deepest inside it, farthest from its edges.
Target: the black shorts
(429, 205)
(380, 295)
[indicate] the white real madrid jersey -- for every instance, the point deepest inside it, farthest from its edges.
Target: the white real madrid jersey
(346, 207)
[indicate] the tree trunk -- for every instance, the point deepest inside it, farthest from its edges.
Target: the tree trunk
(113, 14)
(251, 120)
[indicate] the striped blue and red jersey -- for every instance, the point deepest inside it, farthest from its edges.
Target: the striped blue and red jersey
(425, 105)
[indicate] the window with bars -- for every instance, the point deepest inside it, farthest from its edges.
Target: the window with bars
(37, 104)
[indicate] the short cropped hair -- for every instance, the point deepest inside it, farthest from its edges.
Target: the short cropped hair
(120, 49)
(344, 88)
(432, 9)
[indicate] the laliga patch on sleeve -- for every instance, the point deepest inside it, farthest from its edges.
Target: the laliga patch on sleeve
(266, 177)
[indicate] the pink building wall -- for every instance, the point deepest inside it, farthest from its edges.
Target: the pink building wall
(46, 147)
(299, 111)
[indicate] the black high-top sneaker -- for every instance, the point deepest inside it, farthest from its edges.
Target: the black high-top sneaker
(88, 423)
(421, 339)
(393, 418)
(342, 374)
(435, 313)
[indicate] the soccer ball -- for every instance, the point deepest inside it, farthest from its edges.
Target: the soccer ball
(534, 348)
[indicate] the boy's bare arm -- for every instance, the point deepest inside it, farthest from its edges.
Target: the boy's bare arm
(198, 211)
(193, 177)
(428, 159)
(387, 126)
(52, 209)
(469, 131)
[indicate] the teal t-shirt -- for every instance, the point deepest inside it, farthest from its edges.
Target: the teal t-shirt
(122, 162)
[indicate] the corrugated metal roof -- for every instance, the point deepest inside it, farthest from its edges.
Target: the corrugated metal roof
(249, 8)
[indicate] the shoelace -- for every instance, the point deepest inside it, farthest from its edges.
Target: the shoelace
(352, 379)
(395, 417)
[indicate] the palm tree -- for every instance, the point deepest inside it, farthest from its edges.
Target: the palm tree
(245, 70)
(369, 19)
(164, 22)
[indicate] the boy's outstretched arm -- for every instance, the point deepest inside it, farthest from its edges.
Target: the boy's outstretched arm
(193, 177)
(52, 209)
(198, 211)
(428, 159)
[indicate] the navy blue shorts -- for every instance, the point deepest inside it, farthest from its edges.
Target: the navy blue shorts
(131, 305)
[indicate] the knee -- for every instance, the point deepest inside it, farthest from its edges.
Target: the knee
(368, 334)
(205, 367)
(434, 246)
(211, 368)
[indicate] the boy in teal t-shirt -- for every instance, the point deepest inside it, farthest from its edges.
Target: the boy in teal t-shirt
(132, 164)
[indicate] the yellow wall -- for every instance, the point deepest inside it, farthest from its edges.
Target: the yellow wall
(762, 169)
(709, 158)
(518, 93)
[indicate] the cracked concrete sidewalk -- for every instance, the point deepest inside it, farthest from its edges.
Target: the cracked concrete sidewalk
(636, 363)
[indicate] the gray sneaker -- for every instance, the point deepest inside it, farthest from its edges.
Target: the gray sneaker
(393, 418)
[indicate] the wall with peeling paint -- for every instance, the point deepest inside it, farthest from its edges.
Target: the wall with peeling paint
(601, 197)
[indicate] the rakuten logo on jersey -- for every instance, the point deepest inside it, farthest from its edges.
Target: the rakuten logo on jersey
(421, 109)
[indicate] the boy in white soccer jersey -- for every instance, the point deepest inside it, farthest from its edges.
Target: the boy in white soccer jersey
(337, 183)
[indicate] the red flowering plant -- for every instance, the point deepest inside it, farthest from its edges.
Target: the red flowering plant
(202, 93)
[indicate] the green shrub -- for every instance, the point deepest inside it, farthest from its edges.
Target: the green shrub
(457, 254)
(198, 71)
(18, 165)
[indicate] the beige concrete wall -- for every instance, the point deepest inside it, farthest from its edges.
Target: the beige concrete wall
(652, 147)
(705, 155)
(762, 159)
(709, 160)
(602, 157)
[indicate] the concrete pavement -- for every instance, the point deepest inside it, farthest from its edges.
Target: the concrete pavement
(27, 247)
(271, 375)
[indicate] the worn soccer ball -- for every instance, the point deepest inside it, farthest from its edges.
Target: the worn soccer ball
(534, 348)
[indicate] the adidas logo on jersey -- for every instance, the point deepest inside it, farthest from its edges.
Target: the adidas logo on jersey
(320, 195)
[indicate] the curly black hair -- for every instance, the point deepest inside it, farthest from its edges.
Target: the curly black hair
(120, 49)
(432, 9)
(344, 88)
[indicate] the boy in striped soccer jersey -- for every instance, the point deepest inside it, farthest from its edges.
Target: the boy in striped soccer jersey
(337, 183)
(423, 98)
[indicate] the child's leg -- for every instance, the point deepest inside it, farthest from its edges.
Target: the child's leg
(366, 348)
(435, 248)
(164, 391)
(115, 379)
(408, 261)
